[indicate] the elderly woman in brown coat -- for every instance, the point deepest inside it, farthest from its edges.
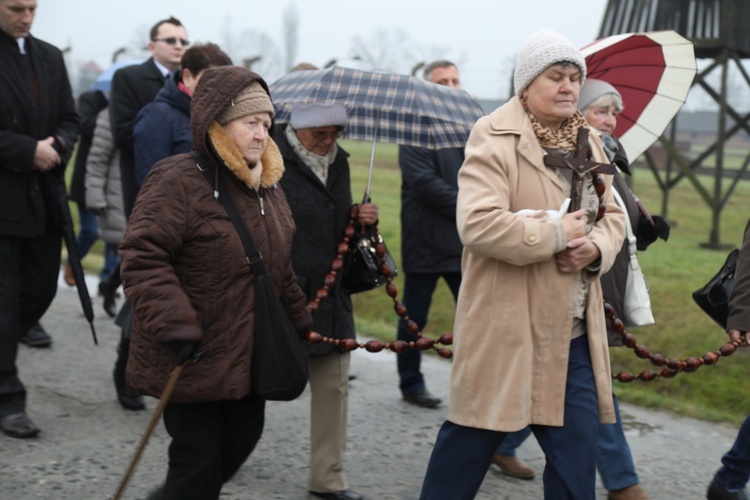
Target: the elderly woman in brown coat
(530, 336)
(184, 269)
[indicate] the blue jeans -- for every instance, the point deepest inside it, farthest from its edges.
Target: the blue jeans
(736, 462)
(462, 455)
(613, 458)
(88, 233)
(417, 297)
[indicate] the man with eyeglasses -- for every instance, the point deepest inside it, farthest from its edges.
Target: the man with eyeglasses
(38, 129)
(133, 87)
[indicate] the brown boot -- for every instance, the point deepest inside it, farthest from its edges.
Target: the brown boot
(634, 492)
(512, 466)
(68, 275)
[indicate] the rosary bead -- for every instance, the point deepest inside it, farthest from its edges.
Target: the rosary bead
(313, 306)
(349, 230)
(385, 270)
(641, 352)
(609, 311)
(668, 373)
(399, 346)
(347, 345)
(424, 343)
(692, 364)
(618, 325)
(710, 358)
(600, 212)
(321, 294)
(446, 338)
(412, 327)
(625, 377)
(343, 248)
(354, 212)
(337, 264)
(657, 359)
(313, 337)
(629, 340)
(329, 280)
(647, 376)
(400, 309)
(379, 249)
(391, 290)
(674, 364)
(444, 353)
(599, 185)
(374, 346)
(727, 349)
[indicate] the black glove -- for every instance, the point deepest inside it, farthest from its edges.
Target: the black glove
(183, 351)
(647, 233)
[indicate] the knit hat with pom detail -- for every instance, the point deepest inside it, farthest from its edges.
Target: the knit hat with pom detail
(540, 51)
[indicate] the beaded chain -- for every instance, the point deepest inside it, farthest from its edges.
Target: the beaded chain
(671, 366)
(422, 342)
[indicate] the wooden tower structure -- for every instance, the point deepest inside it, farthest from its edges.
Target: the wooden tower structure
(719, 31)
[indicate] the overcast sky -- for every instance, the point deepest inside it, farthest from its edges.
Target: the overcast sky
(482, 36)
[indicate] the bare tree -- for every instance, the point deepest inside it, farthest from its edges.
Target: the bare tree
(290, 34)
(255, 46)
(383, 50)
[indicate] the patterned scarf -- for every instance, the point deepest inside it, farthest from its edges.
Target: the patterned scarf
(563, 138)
(318, 164)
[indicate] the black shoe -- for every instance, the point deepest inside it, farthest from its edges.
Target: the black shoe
(36, 337)
(18, 425)
(339, 495)
(716, 492)
(423, 398)
(109, 299)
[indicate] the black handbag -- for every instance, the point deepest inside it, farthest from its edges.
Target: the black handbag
(279, 366)
(714, 297)
(363, 266)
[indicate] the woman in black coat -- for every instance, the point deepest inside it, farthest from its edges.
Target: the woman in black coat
(317, 185)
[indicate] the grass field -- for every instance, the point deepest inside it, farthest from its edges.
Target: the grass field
(673, 269)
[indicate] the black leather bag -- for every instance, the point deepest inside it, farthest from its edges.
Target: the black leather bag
(714, 297)
(363, 267)
(279, 365)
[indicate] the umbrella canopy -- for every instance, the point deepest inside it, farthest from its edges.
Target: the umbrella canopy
(653, 72)
(383, 106)
(103, 82)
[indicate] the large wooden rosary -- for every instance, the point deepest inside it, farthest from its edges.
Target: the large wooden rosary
(671, 366)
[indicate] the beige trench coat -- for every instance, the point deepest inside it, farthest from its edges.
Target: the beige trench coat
(515, 309)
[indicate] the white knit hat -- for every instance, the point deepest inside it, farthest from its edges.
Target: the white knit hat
(318, 115)
(543, 49)
(592, 90)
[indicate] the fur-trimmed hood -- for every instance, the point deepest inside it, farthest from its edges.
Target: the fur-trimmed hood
(215, 91)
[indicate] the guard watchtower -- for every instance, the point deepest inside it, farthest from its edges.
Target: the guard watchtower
(719, 32)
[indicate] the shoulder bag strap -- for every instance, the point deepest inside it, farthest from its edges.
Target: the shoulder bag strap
(252, 255)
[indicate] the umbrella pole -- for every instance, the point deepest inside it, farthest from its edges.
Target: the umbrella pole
(150, 428)
(366, 198)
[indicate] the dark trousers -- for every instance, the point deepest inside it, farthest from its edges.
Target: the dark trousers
(29, 268)
(417, 297)
(462, 455)
(210, 441)
(735, 469)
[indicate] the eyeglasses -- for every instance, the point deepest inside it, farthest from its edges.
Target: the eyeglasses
(320, 136)
(173, 41)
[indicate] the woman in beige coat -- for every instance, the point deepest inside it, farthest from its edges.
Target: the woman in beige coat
(530, 336)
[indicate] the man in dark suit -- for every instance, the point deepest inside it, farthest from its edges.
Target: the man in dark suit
(38, 129)
(430, 246)
(132, 88)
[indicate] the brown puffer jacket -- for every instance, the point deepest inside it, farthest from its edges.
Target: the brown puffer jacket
(183, 264)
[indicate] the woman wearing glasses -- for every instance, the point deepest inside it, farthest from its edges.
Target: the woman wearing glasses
(317, 185)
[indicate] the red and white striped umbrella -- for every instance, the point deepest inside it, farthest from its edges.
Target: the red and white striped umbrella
(653, 72)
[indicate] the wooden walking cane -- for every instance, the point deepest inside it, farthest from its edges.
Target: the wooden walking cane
(173, 378)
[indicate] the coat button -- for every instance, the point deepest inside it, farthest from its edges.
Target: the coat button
(532, 238)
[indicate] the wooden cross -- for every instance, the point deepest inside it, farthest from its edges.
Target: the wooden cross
(581, 164)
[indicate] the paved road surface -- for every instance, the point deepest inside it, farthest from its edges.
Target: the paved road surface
(87, 439)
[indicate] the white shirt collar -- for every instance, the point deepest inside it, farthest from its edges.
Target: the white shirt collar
(21, 44)
(164, 71)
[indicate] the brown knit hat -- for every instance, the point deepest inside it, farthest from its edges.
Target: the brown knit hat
(252, 99)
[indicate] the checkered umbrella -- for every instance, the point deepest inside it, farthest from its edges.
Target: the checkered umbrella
(385, 107)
